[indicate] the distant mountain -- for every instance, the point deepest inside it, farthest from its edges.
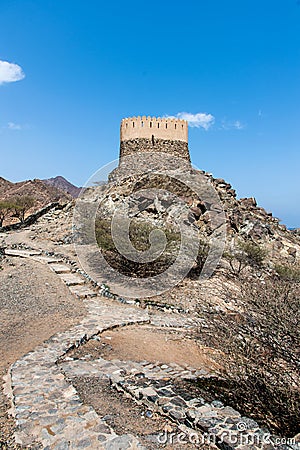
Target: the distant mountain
(4, 185)
(40, 191)
(61, 183)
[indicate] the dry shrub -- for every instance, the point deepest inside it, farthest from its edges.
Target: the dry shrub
(261, 353)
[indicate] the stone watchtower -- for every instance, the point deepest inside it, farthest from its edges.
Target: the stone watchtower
(151, 134)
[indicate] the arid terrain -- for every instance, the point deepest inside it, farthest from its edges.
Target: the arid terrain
(87, 369)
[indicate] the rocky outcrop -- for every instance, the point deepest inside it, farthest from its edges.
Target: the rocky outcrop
(247, 220)
(244, 218)
(64, 185)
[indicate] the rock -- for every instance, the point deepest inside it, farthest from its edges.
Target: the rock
(177, 414)
(124, 442)
(2, 248)
(248, 202)
(191, 414)
(292, 251)
(196, 211)
(148, 392)
(217, 404)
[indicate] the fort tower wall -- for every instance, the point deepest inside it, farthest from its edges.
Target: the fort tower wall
(151, 134)
(162, 128)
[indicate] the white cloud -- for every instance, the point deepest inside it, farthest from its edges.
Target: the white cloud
(238, 125)
(14, 126)
(232, 125)
(198, 120)
(10, 72)
(206, 121)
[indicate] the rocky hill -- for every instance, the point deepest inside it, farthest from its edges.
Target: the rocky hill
(245, 220)
(41, 192)
(5, 185)
(38, 189)
(227, 347)
(62, 184)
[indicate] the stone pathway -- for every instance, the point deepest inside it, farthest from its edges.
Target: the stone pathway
(152, 385)
(212, 423)
(49, 412)
(81, 367)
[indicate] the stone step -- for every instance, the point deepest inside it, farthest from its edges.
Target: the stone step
(22, 253)
(46, 259)
(82, 291)
(71, 279)
(60, 268)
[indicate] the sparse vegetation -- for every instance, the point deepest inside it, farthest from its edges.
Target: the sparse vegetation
(260, 353)
(6, 207)
(246, 254)
(288, 272)
(15, 207)
(139, 233)
(203, 250)
(21, 205)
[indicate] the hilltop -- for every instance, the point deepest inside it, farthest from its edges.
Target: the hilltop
(62, 184)
(43, 192)
(203, 355)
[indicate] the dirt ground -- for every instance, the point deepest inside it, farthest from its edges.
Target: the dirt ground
(34, 305)
(140, 343)
(125, 416)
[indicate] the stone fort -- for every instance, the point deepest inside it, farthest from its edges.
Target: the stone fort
(151, 134)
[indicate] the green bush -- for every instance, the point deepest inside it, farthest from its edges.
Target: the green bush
(246, 254)
(288, 272)
(139, 232)
(21, 205)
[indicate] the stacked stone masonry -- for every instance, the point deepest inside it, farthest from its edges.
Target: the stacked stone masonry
(142, 145)
(151, 134)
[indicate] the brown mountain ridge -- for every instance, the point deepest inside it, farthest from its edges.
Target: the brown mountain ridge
(43, 192)
(62, 184)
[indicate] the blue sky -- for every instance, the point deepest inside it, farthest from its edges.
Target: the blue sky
(88, 64)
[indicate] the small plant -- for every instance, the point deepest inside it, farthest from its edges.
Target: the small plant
(203, 250)
(6, 207)
(246, 254)
(21, 205)
(288, 272)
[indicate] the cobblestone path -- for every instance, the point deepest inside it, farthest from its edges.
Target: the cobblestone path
(48, 410)
(49, 413)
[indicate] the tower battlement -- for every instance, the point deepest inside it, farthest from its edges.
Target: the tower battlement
(154, 135)
(152, 142)
(166, 128)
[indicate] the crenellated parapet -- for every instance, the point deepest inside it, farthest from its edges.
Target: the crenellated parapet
(166, 128)
(146, 142)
